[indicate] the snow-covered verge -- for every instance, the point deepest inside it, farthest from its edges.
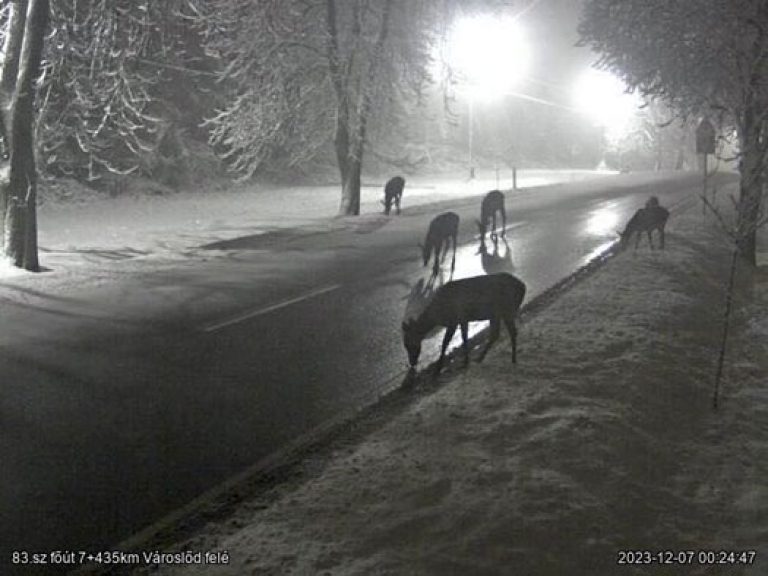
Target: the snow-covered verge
(599, 445)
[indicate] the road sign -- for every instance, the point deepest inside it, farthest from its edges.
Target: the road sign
(705, 137)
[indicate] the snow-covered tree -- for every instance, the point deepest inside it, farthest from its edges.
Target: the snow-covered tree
(308, 72)
(703, 58)
(27, 23)
(107, 63)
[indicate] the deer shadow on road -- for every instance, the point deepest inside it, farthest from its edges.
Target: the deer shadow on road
(496, 261)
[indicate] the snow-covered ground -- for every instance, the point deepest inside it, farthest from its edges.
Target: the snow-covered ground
(74, 221)
(600, 445)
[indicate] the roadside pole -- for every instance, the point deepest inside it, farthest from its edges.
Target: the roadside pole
(705, 144)
(704, 186)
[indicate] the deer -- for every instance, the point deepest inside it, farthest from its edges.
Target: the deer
(495, 297)
(393, 192)
(442, 229)
(651, 217)
(492, 203)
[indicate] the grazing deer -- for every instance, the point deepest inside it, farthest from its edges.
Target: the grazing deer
(652, 217)
(492, 203)
(496, 297)
(393, 192)
(443, 228)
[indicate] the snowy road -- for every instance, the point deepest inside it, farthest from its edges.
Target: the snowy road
(109, 421)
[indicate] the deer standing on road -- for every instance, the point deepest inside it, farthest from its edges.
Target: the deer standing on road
(652, 217)
(393, 192)
(496, 298)
(443, 228)
(492, 203)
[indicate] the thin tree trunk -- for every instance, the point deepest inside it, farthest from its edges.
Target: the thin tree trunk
(726, 324)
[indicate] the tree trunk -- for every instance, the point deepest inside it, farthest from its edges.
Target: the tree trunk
(341, 140)
(748, 214)
(350, 188)
(21, 216)
(12, 50)
(753, 149)
(751, 187)
(350, 192)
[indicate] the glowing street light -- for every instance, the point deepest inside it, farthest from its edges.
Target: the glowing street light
(490, 55)
(604, 98)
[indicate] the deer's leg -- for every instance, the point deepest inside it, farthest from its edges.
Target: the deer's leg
(449, 332)
(661, 234)
(465, 341)
(512, 329)
(397, 203)
(650, 239)
(495, 327)
(638, 235)
(453, 260)
(503, 221)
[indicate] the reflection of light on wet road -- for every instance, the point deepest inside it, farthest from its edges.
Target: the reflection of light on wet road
(468, 262)
(603, 221)
(596, 252)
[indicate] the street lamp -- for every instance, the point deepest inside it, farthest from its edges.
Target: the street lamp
(490, 55)
(604, 98)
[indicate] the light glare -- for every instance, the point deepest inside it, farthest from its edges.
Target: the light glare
(489, 52)
(603, 97)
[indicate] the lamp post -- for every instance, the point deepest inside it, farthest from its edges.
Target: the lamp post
(491, 54)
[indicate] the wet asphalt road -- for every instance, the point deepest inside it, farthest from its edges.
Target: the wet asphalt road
(109, 423)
